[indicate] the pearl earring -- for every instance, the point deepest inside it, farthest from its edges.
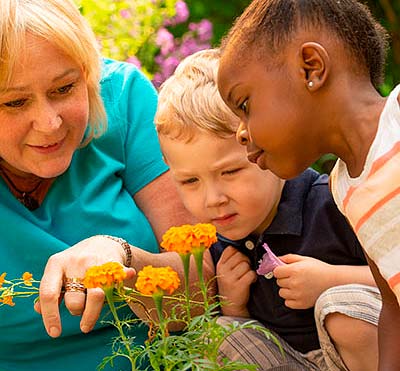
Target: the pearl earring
(310, 84)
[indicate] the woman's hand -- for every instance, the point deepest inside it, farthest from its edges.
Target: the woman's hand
(73, 263)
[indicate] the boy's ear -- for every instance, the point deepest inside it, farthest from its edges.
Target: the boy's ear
(315, 65)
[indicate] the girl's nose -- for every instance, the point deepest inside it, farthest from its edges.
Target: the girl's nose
(242, 136)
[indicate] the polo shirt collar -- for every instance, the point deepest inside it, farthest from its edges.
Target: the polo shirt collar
(289, 217)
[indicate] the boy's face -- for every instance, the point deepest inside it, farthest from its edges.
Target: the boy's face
(219, 185)
(277, 117)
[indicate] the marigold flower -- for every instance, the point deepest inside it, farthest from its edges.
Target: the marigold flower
(2, 278)
(186, 237)
(27, 277)
(106, 275)
(151, 280)
(7, 300)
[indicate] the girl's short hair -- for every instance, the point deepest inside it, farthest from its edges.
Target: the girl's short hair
(189, 100)
(266, 26)
(61, 23)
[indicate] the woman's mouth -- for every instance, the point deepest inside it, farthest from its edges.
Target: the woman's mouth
(48, 148)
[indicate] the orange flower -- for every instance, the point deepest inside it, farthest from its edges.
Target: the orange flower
(186, 237)
(2, 278)
(106, 275)
(151, 280)
(7, 300)
(27, 277)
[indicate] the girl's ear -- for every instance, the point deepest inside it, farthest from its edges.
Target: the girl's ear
(315, 65)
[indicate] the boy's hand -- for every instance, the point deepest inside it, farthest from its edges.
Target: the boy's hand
(234, 277)
(302, 280)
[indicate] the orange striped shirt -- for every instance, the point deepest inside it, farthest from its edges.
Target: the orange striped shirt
(371, 202)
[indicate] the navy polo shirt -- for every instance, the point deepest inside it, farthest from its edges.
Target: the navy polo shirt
(307, 223)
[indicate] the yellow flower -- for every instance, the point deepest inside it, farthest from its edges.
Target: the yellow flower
(106, 275)
(186, 237)
(27, 277)
(7, 300)
(151, 280)
(2, 278)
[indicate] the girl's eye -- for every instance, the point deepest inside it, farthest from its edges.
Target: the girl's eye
(244, 106)
(65, 89)
(15, 103)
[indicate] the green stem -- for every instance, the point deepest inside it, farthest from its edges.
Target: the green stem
(198, 253)
(158, 298)
(186, 267)
(109, 291)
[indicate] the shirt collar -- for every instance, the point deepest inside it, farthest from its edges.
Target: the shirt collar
(289, 217)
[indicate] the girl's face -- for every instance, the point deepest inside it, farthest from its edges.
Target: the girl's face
(219, 185)
(277, 117)
(44, 111)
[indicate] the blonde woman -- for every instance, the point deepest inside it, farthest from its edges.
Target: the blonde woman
(79, 160)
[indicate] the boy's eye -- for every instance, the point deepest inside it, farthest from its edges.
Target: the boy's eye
(15, 103)
(230, 172)
(189, 181)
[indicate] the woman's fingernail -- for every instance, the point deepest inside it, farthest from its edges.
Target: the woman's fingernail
(85, 329)
(54, 332)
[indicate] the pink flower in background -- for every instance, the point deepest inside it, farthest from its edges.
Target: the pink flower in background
(165, 40)
(134, 60)
(175, 48)
(125, 13)
(268, 263)
(204, 29)
(181, 16)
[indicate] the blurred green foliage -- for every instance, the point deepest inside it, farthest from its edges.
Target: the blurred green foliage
(127, 28)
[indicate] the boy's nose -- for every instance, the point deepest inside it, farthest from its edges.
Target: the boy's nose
(242, 136)
(215, 197)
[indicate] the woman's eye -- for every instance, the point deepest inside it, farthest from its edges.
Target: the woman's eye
(65, 89)
(15, 103)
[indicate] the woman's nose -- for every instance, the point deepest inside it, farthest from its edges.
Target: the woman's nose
(242, 136)
(47, 120)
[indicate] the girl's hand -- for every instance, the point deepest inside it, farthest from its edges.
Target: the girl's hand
(302, 280)
(234, 277)
(73, 263)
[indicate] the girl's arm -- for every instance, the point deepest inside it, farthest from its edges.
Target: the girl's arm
(303, 279)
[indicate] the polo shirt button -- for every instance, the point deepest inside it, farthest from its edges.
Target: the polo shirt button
(249, 245)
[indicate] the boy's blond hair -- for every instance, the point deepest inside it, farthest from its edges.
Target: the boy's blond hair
(189, 100)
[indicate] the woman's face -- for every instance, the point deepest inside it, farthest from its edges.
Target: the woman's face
(43, 112)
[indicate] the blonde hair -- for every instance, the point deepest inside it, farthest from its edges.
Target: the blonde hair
(189, 100)
(61, 23)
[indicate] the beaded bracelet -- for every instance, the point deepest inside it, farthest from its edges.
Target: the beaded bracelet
(125, 245)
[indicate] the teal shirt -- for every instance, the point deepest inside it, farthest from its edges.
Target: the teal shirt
(94, 196)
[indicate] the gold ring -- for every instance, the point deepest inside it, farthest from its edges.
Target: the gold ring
(74, 285)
